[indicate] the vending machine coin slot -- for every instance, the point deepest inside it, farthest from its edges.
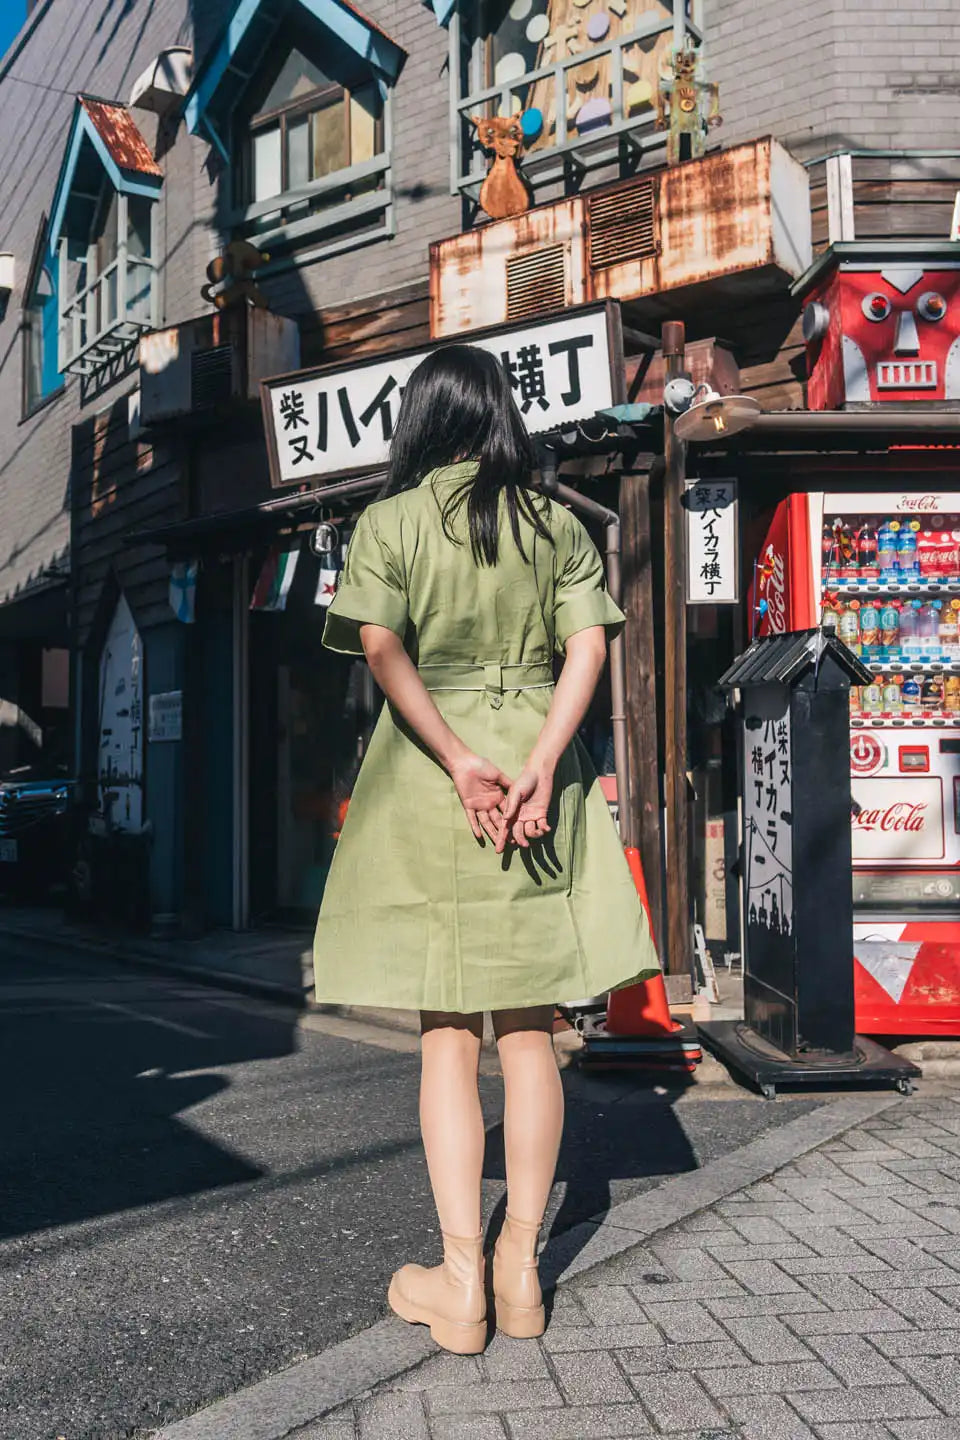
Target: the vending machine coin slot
(914, 759)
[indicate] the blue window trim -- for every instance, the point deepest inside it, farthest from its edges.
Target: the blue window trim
(214, 89)
(443, 9)
(81, 128)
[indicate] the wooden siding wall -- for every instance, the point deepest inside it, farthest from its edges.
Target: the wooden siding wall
(894, 198)
(118, 485)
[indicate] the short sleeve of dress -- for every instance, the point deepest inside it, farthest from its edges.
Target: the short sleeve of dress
(371, 591)
(581, 598)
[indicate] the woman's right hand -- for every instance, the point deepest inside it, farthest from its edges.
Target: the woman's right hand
(524, 816)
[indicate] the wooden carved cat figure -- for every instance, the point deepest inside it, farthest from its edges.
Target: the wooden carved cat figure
(503, 192)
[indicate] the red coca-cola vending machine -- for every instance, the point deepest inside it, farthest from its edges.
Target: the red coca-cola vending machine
(884, 570)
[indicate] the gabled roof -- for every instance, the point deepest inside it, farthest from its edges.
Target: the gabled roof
(781, 659)
(226, 69)
(111, 132)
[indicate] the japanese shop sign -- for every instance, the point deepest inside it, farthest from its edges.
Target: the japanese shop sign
(767, 807)
(712, 558)
(165, 716)
(326, 422)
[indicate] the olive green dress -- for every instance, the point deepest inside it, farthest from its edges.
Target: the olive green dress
(417, 913)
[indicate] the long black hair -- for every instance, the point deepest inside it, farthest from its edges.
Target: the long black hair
(458, 405)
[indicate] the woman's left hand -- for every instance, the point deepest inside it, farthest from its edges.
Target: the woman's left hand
(482, 788)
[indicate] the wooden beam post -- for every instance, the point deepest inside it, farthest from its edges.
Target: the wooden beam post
(640, 820)
(677, 952)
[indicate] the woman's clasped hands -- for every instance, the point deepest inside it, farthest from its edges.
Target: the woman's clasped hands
(503, 809)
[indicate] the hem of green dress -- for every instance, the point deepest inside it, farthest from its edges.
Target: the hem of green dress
(522, 1001)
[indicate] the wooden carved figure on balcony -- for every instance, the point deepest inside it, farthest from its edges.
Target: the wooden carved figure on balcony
(503, 192)
(233, 271)
(687, 107)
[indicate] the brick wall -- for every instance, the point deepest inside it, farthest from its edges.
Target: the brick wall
(821, 74)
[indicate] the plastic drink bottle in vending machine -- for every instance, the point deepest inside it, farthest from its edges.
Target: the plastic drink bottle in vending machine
(910, 627)
(907, 550)
(949, 631)
(928, 627)
(854, 699)
(887, 547)
(848, 626)
(829, 561)
(951, 695)
(892, 700)
(870, 633)
(867, 550)
(890, 628)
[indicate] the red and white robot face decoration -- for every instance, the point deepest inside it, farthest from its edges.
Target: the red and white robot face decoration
(882, 335)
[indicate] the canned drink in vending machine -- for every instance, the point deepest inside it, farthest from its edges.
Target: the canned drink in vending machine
(951, 694)
(890, 628)
(892, 699)
(910, 691)
(870, 622)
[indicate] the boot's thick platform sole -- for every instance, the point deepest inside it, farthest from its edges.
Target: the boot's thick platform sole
(520, 1322)
(462, 1337)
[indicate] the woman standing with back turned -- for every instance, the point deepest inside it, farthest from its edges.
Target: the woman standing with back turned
(478, 867)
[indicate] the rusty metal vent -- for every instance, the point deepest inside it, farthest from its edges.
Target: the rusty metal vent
(622, 225)
(536, 282)
(211, 376)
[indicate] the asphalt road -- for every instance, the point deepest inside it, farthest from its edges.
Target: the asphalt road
(195, 1192)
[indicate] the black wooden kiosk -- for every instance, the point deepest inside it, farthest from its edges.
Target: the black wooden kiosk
(796, 868)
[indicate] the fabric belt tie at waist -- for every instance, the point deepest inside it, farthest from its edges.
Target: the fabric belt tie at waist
(493, 679)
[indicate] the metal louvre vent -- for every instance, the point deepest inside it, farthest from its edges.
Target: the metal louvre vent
(622, 225)
(211, 376)
(536, 282)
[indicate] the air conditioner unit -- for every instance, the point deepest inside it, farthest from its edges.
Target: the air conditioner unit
(737, 221)
(198, 368)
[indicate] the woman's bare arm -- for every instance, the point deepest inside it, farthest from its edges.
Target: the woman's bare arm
(528, 800)
(479, 783)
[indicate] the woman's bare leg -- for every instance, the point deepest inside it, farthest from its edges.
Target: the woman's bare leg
(533, 1108)
(451, 1120)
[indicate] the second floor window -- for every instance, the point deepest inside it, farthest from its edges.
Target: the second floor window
(305, 128)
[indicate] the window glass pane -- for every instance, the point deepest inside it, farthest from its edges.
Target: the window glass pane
(33, 354)
(105, 231)
(298, 152)
(265, 146)
(329, 139)
(298, 77)
(139, 210)
(364, 114)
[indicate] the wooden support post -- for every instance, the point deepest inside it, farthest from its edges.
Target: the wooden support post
(640, 821)
(677, 951)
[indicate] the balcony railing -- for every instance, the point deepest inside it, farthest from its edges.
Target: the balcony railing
(337, 208)
(883, 195)
(108, 315)
(629, 130)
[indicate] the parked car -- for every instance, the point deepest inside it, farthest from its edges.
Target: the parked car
(41, 820)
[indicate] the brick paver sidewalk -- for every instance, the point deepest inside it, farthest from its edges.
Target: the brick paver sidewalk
(824, 1302)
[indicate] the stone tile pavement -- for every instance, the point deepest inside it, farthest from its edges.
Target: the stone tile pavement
(822, 1303)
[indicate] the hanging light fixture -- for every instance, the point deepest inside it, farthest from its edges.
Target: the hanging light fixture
(702, 414)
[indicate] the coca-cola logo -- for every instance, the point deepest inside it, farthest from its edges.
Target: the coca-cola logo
(902, 815)
(774, 586)
(919, 502)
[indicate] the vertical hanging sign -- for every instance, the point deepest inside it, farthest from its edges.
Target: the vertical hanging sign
(713, 562)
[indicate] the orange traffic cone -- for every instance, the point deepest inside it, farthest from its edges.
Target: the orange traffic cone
(639, 1029)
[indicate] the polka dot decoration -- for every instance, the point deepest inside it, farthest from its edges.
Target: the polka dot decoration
(538, 29)
(531, 124)
(509, 67)
(637, 95)
(520, 9)
(598, 26)
(593, 115)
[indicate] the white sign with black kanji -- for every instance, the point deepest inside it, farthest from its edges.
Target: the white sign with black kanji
(344, 420)
(712, 552)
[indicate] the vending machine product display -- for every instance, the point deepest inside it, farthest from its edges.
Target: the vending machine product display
(883, 570)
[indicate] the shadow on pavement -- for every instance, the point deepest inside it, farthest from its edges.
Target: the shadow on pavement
(93, 1076)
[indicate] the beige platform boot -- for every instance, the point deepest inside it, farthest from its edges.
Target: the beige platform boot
(516, 1282)
(448, 1297)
